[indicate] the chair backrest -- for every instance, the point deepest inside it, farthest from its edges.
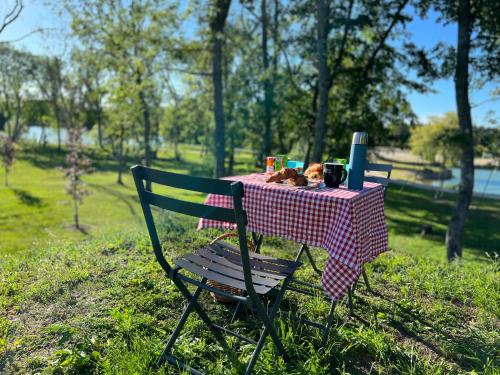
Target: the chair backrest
(375, 167)
(234, 215)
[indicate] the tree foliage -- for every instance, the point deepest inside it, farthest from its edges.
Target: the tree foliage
(437, 141)
(77, 165)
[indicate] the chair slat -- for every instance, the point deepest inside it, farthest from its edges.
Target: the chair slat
(265, 258)
(200, 184)
(379, 180)
(376, 167)
(190, 208)
(254, 262)
(226, 280)
(210, 255)
(228, 271)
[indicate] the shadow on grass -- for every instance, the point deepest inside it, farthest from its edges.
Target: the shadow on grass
(466, 350)
(409, 209)
(120, 196)
(27, 198)
(50, 157)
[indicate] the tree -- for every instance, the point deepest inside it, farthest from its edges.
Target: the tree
(437, 142)
(11, 15)
(77, 165)
(49, 79)
(454, 234)
(90, 69)
(268, 89)
(15, 76)
(322, 13)
(219, 10)
(367, 52)
(478, 33)
(134, 40)
(8, 149)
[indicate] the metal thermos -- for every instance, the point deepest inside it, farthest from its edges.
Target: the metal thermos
(357, 161)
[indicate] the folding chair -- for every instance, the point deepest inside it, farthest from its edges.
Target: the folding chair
(227, 265)
(383, 180)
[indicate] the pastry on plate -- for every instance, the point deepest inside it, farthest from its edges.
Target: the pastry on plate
(315, 171)
(300, 180)
(282, 175)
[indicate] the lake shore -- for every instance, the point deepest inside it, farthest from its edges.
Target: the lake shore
(404, 156)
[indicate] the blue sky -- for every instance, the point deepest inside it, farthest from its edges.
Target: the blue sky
(424, 33)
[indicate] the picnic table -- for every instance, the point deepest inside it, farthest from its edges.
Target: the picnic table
(348, 224)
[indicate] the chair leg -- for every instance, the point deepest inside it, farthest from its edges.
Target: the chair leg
(236, 311)
(301, 251)
(203, 315)
(305, 248)
(349, 301)
(313, 263)
(329, 324)
(269, 329)
(257, 240)
(365, 278)
(256, 352)
(175, 334)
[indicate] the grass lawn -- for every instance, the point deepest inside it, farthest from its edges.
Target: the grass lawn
(80, 303)
(35, 209)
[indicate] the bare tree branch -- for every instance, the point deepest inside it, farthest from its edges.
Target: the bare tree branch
(12, 15)
(338, 62)
(39, 30)
(385, 35)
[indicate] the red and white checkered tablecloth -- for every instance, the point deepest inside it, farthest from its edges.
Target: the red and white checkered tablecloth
(349, 224)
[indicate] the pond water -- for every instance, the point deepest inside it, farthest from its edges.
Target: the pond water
(481, 183)
(34, 134)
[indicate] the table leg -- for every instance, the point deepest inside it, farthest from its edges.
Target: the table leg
(257, 240)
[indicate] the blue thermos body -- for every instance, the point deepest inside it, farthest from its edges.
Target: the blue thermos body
(357, 161)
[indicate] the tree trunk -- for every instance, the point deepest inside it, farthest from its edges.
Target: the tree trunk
(322, 12)
(439, 192)
(99, 129)
(113, 147)
(454, 235)
(492, 171)
(18, 127)
(6, 177)
(147, 125)
(307, 157)
(120, 155)
(267, 81)
(58, 135)
(217, 28)
(75, 206)
(42, 135)
(230, 168)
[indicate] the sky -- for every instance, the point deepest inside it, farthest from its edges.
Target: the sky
(426, 33)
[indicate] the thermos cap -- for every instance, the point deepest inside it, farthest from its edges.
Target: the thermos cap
(360, 138)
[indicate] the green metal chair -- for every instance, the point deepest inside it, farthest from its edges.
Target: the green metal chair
(383, 180)
(253, 273)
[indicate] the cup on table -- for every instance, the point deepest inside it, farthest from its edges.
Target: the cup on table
(295, 164)
(334, 174)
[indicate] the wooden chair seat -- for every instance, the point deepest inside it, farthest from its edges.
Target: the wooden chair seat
(221, 262)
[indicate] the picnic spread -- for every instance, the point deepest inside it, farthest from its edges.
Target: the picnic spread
(348, 224)
(311, 208)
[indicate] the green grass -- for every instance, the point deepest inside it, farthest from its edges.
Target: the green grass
(35, 209)
(103, 306)
(75, 303)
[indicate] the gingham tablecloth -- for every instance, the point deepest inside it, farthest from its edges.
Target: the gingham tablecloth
(349, 224)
